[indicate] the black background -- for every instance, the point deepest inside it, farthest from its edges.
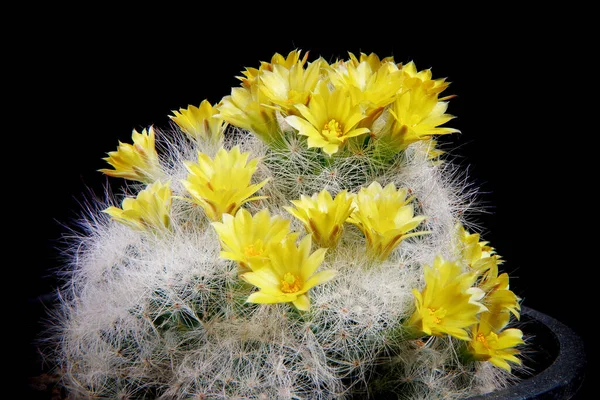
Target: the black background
(525, 138)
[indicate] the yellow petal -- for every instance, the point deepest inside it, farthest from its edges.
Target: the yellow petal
(312, 263)
(498, 362)
(510, 338)
(319, 278)
(264, 298)
(265, 279)
(302, 303)
(303, 126)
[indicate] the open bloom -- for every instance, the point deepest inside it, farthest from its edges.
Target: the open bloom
(417, 115)
(251, 74)
(483, 261)
(329, 120)
(385, 216)
(502, 299)
(491, 342)
(290, 274)
(322, 216)
(286, 87)
(246, 109)
(250, 107)
(199, 122)
(137, 161)
(222, 185)
(498, 297)
(472, 250)
(371, 83)
(449, 304)
(412, 78)
(151, 209)
(247, 239)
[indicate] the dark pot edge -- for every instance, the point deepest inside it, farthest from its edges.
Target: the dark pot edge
(562, 379)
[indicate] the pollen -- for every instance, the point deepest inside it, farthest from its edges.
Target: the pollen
(253, 250)
(290, 283)
(333, 128)
(481, 339)
(434, 317)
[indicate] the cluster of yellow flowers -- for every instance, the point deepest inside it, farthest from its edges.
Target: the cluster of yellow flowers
(348, 104)
(264, 245)
(339, 104)
(474, 306)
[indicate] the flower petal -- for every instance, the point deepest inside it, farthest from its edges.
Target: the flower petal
(302, 303)
(319, 278)
(263, 278)
(312, 263)
(263, 298)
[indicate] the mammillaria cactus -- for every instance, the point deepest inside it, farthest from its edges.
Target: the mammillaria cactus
(303, 238)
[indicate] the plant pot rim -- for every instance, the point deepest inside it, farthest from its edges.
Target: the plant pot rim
(562, 378)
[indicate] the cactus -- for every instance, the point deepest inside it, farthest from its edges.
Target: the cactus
(190, 310)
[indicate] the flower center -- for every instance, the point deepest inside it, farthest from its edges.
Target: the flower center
(290, 283)
(437, 315)
(253, 250)
(481, 339)
(332, 128)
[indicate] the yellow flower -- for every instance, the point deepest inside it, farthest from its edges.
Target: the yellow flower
(199, 122)
(292, 58)
(371, 83)
(222, 185)
(417, 115)
(246, 238)
(473, 250)
(449, 304)
(323, 216)
(502, 299)
(251, 74)
(481, 259)
(290, 274)
(412, 79)
(151, 209)
(498, 297)
(249, 107)
(385, 217)
(329, 120)
(137, 161)
(245, 108)
(491, 342)
(286, 87)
